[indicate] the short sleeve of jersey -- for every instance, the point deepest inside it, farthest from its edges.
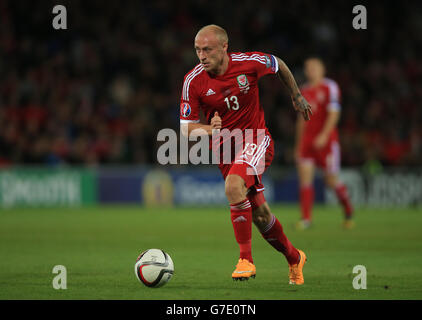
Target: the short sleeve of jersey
(264, 63)
(334, 96)
(189, 102)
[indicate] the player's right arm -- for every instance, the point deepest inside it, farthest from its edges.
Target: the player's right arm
(200, 129)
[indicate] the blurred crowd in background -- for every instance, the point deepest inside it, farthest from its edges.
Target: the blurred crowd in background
(99, 92)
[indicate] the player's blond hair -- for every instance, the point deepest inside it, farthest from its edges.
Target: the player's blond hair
(220, 33)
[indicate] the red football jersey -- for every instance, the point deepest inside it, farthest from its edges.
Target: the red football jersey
(234, 95)
(323, 98)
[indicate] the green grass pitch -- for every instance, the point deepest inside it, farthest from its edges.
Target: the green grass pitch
(99, 246)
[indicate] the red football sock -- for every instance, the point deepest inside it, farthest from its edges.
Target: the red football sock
(275, 236)
(241, 216)
(306, 201)
(343, 197)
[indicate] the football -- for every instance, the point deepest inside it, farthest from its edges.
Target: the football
(154, 268)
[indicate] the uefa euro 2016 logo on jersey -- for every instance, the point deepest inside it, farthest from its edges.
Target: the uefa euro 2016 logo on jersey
(243, 83)
(185, 109)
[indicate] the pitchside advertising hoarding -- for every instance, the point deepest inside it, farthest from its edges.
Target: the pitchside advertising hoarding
(155, 187)
(389, 188)
(33, 187)
(191, 186)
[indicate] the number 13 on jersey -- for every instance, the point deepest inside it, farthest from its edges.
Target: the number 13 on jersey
(232, 103)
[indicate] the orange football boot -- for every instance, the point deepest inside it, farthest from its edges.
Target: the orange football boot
(244, 270)
(295, 270)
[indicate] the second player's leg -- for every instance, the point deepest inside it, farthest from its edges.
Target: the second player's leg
(306, 171)
(333, 182)
(331, 172)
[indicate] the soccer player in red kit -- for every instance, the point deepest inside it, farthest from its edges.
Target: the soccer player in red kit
(225, 87)
(317, 142)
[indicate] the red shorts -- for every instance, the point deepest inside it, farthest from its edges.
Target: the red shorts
(327, 158)
(251, 163)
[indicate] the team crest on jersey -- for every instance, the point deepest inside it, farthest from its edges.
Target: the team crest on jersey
(243, 83)
(185, 109)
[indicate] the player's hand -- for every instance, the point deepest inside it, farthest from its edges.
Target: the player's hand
(216, 122)
(301, 105)
(320, 141)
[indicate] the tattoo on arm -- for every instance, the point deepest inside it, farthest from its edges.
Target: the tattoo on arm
(287, 79)
(299, 102)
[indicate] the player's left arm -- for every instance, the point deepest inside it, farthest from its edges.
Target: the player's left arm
(333, 115)
(299, 102)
